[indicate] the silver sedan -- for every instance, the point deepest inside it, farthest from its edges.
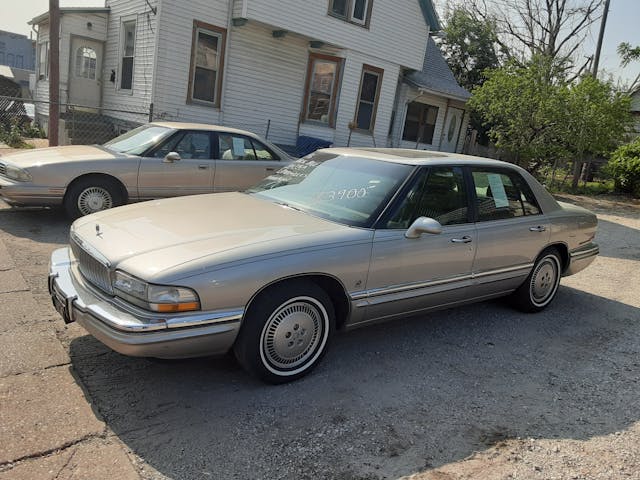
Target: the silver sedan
(157, 160)
(339, 239)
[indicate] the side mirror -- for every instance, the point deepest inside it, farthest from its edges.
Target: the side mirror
(171, 157)
(423, 225)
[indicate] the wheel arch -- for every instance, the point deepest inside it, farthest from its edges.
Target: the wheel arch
(563, 250)
(330, 284)
(98, 175)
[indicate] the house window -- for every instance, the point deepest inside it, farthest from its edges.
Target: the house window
(420, 123)
(370, 82)
(1, 58)
(207, 64)
(321, 88)
(19, 61)
(355, 11)
(128, 52)
(86, 63)
(10, 60)
(43, 60)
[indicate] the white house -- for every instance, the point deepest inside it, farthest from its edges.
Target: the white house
(352, 72)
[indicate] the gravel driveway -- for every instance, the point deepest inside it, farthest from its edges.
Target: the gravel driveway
(476, 392)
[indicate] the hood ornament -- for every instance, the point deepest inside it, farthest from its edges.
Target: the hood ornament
(98, 232)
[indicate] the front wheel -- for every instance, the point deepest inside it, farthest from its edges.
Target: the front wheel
(286, 332)
(91, 195)
(540, 287)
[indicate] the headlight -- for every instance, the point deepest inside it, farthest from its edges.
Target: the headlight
(158, 298)
(16, 173)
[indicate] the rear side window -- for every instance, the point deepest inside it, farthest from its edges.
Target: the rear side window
(502, 194)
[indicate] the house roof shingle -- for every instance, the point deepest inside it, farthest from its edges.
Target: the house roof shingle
(436, 75)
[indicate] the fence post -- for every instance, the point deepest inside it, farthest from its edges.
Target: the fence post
(151, 112)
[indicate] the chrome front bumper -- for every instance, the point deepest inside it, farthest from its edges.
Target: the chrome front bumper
(134, 332)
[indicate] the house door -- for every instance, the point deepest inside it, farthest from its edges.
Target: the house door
(85, 72)
(452, 130)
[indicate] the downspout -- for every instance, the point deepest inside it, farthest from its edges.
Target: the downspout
(227, 44)
(154, 71)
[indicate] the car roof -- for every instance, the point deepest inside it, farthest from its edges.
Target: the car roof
(203, 126)
(415, 157)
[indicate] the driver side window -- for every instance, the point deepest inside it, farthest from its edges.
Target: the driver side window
(437, 193)
(189, 145)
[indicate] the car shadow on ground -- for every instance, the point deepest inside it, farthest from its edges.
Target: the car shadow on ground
(388, 400)
(38, 224)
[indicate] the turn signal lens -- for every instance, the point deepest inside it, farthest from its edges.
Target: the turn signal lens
(175, 307)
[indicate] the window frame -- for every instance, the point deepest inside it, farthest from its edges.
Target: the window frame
(221, 33)
(123, 43)
(350, 8)
(43, 62)
(379, 72)
(511, 174)
(252, 141)
(83, 57)
(422, 121)
(339, 61)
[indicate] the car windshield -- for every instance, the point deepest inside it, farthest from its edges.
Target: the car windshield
(344, 189)
(139, 140)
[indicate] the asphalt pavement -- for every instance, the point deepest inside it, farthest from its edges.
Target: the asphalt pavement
(435, 396)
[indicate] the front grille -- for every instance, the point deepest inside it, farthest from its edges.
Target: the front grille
(3, 169)
(91, 268)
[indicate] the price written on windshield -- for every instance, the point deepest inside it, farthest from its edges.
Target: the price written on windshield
(342, 194)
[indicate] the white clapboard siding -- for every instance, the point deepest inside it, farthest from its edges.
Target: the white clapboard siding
(397, 32)
(138, 98)
(41, 93)
(174, 58)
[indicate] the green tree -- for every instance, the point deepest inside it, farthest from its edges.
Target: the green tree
(540, 118)
(624, 166)
(470, 47)
(598, 120)
(629, 54)
(523, 107)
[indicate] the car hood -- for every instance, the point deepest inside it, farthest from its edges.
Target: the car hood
(52, 155)
(164, 240)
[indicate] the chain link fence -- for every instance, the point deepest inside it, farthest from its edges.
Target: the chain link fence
(22, 118)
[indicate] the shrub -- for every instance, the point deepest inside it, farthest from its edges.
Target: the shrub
(624, 167)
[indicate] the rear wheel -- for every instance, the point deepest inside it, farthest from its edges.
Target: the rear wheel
(286, 332)
(90, 195)
(540, 287)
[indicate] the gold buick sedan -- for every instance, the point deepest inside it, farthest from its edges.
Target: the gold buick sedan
(158, 160)
(336, 240)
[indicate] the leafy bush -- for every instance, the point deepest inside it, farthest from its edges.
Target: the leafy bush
(624, 167)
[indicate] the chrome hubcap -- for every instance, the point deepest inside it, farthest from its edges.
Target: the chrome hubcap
(544, 280)
(293, 333)
(94, 199)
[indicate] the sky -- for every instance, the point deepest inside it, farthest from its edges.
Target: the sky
(623, 25)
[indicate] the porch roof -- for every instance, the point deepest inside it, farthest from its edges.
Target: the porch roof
(436, 76)
(45, 16)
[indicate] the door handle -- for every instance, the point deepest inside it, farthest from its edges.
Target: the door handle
(465, 239)
(271, 169)
(539, 228)
(203, 167)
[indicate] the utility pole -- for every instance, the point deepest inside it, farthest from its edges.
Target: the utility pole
(54, 71)
(603, 24)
